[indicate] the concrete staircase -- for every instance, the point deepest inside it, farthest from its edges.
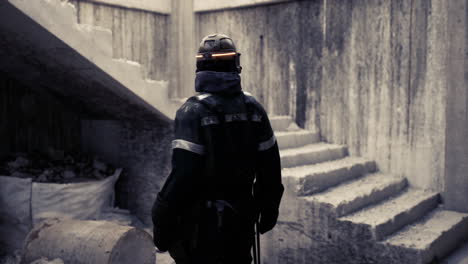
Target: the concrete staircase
(358, 214)
(59, 17)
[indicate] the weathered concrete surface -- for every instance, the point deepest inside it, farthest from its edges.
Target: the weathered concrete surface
(137, 35)
(129, 82)
(27, 47)
(370, 75)
(280, 123)
(160, 6)
(182, 54)
(311, 154)
(456, 159)
(278, 66)
(310, 179)
(296, 138)
(393, 214)
(434, 236)
(351, 196)
(142, 149)
(382, 90)
(211, 5)
(309, 231)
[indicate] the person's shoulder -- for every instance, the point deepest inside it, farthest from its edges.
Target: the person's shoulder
(250, 98)
(193, 107)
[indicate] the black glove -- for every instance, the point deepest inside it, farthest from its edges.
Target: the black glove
(163, 224)
(268, 220)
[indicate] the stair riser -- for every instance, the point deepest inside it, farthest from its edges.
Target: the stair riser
(280, 123)
(374, 197)
(101, 37)
(447, 242)
(395, 224)
(319, 182)
(312, 157)
(296, 140)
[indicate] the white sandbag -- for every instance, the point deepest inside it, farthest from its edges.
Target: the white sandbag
(83, 200)
(15, 212)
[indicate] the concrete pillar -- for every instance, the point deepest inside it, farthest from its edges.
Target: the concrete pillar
(456, 156)
(182, 50)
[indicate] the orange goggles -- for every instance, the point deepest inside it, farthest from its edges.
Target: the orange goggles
(216, 55)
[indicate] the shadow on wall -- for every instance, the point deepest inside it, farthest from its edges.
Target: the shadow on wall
(37, 121)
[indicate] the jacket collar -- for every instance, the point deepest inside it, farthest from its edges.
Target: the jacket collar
(218, 82)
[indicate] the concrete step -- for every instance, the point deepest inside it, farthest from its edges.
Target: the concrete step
(132, 70)
(351, 196)
(280, 123)
(101, 35)
(393, 214)
(93, 43)
(459, 256)
(294, 139)
(311, 154)
(435, 236)
(315, 178)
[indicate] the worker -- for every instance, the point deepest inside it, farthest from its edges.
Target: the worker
(226, 171)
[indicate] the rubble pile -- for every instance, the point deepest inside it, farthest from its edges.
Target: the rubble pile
(55, 167)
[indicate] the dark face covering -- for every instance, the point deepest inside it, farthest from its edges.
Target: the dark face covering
(217, 65)
(218, 82)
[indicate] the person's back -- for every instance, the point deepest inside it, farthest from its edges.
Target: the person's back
(226, 167)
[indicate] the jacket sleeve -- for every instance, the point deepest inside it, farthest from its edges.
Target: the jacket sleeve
(268, 187)
(179, 189)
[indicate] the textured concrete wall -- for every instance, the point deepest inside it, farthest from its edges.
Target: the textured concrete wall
(182, 54)
(160, 6)
(280, 52)
(210, 5)
(142, 149)
(368, 74)
(32, 121)
(139, 36)
(456, 161)
(383, 90)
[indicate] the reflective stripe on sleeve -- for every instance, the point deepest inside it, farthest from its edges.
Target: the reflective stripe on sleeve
(189, 146)
(209, 120)
(267, 144)
(213, 120)
(203, 96)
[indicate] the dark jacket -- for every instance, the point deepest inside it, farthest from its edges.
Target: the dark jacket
(224, 148)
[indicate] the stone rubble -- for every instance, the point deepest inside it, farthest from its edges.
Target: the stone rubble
(55, 166)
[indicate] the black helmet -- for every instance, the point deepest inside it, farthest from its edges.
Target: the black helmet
(217, 52)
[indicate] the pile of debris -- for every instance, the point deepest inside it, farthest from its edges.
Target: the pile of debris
(55, 167)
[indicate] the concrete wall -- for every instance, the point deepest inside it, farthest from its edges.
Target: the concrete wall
(138, 35)
(278, 67)
(368, 74)
(456, 160)
(182, 54)
(383, 85)
(159, 6)
(210, 5)
(143, 149)
(32, 121)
